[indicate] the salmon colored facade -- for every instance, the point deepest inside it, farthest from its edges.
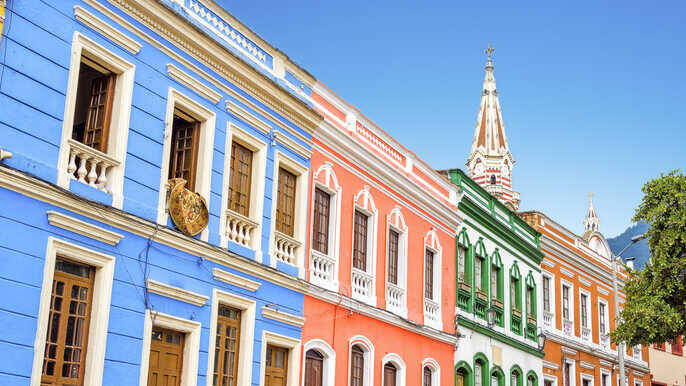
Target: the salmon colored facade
(379, 321)
(579, 308)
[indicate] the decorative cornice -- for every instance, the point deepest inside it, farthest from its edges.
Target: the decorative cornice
(100, 26)
(233, 279)
(550, 365)
(566, 272)
(75, 225)
(177, 293)
(584, 281)
(178, 75)
(30, 186)
(586, 365)
(603, 291)
(291, 144)
(201, 47)
(246, 116)
(569, 351)
(605, 363)
(547, 262)
(283, 317)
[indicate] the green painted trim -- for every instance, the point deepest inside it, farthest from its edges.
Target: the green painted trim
(520, 374)
(518, 253)
(498, 371)
(532, 374)
(480, 357)
(500, 337)
(469, 375)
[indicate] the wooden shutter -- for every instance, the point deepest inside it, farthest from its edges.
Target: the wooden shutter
(390, 374)
(285, 202)
(426, 379)
(166, 357)
(320, 231)
(240, 178)
(429, 274)
(226, 346)
(360, 241)
(68, 322)
(357, 367)
(96, 131)
(314, 367)
(184, 149)
(393, 240)
(276, 369)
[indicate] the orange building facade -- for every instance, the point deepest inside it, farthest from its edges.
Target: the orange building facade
(579, 308)
(380, 306)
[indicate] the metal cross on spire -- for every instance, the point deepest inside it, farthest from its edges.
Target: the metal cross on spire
(489, 51)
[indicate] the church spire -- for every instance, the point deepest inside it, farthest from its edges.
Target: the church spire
(490, 162)
(591, 222)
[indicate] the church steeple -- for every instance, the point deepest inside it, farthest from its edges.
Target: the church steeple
(490, 162)
(591, 222)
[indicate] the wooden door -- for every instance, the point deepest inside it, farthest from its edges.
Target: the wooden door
(459, 379)
(166, 358)
(357, 367)
(314, 366)
(226, 346)
(389, 375)
(276, 369)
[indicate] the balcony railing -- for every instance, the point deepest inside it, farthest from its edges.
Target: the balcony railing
(548, 319)
(239, 228)
(480, 306)
(604, 341)
(285, 247)
(586, 334)
(568, 327)
(322, 269)
(432, 310)
(395, 298)
(463, 298)
(362, 285)
(90, 166)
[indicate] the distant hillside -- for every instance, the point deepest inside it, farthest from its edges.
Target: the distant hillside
(640, 250)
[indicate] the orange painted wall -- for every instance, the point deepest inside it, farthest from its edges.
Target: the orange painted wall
(337, 325)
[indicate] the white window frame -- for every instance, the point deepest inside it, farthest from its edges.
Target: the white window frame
(301, 172)
(607, 373)
(435, 371)
(585, 376)
(551, 378)
(364, 202)
(121, 112)
(565, 283)
(368, 356)
(325, 179)
(572, 371)
(399, 364)
(606, 315)
(589, 316)
(396, 222)
(203, 173)
(191, 346)
(432, 243)
(329, 365)
(257, 182)
(100, 307)
(293, 346)
(553, 303)
(245, 345)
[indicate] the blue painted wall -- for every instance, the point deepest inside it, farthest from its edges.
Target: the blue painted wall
(34, 66)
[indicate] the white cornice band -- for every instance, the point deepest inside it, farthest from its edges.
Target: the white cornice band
(283, 317)
(75, 225)
(185, 79)
(177, 293)
(236, 280)
(95, 23)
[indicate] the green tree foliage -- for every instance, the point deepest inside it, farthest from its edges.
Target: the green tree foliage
(655, 309)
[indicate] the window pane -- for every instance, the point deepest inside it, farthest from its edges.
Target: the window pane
(240, 179)
(393, 239)
(285, 209)
(184, 148)
(320, 226)
(360, 241)
(429, 274)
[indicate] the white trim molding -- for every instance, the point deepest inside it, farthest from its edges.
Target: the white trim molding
(87, 229)
(115, 156)
(399, 364)
(191, 349)
(100, 307)
(95, 23)
(247, 117)
(329, 365)
(435, 370)
(283, 317)
(177, 293)
(233, 279)
(363, 283)
(187, 80)
(291, 144)
(433, 318)
(368, 356)
(395, 221)
(247, 334)
(203, 174)
(293, 346)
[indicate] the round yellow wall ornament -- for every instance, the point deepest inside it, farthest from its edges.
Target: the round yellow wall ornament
(188, 210)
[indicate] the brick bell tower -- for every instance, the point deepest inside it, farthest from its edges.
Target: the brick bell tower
(490, 162)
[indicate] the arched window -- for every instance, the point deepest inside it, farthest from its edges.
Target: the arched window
(357, 366)
(314, 368)
(515, 299)
(460, 377)
(480, 370)
(427, 377)
(516, 376)
(390, 375)
(497, 376)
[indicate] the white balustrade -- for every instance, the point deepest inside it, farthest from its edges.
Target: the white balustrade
(568, 327)
(322, 269)
(548, 319)
(285, 247)
(239, 228)
(395, 298)
(586, 334)
(605, 341)
(90, 166)
(362, 284)
(431, 312)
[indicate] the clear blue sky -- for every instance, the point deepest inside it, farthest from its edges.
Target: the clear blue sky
(593, 93)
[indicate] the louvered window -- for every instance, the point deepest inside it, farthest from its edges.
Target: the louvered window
(360, 241)
(184, 148)
(393, 241)
(240, 179)
(320, 226)
(93, 108)
(429, 274)
(285, 201)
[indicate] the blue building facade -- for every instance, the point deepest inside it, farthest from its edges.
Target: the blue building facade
(101, 102)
